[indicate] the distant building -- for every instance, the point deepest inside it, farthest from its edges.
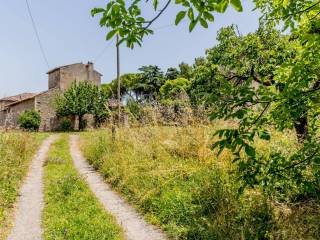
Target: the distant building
(8, 100)
(59, 79)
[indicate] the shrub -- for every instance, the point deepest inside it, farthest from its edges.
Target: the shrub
(30, 120)
(65, 125)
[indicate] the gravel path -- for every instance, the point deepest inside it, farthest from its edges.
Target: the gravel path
(134, 226)
(27, 225)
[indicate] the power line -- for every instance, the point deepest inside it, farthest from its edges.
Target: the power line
(169, 25)
(37, 35)
(96, 59)
(163, 27)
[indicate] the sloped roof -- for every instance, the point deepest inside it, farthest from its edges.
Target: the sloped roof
(25, 99)
(68, 65)
(19, 97)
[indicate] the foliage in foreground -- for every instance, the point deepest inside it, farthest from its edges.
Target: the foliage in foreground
(71, 210)
(174, 179)
(128, 21)
(16, 151)
(30, 120)
(266, 80)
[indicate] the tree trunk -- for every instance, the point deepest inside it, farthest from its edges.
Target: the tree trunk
(80, 122)
(76, 123)
(301, 127)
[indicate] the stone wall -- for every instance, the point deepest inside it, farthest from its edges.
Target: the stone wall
(4, 103)
(2, 118)
(97, 78)
(44, 103)
(66, 75)
(54, 78)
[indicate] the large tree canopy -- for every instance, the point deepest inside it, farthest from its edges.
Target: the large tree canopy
(265, 80)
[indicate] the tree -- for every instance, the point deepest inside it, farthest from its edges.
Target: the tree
(185, 70)
(172, 73)
(30, 120)
(100, 109)
(80, 99)
(172, 89)
(109, 89)
(126, 19)
(199, 61)
(128, 81)
(148, 85)
(285, 95)
(203, 84)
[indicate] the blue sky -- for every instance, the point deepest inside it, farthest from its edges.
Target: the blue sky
(69, 34)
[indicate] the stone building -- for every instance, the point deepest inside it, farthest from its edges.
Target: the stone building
(59, 79)
(8, 100)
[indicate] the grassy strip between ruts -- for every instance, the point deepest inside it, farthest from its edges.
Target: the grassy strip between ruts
(16, 152)
(71, 210)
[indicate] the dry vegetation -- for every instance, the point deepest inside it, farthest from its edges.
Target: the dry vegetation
(173, 178)
(16, 151)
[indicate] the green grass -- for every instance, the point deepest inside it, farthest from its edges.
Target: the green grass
(16, 152)
(71, 210)
(170, 175)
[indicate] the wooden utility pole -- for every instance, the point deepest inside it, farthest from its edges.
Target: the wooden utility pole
(119, 83)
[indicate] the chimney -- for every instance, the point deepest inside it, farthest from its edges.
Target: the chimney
(90, 70)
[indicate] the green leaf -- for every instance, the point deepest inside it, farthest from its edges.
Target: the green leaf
(264, 135)
(203, 23)
(111, 34)
(250, 151)
(237, 5)
(192, 25)
(96, 11)
(191, 14)
(181, 15)
(222, 6)
(155, 4)
(208, 16)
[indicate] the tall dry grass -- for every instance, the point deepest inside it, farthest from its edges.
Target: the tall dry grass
(173, 177)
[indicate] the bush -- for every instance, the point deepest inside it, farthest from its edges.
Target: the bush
(30, 120)
(65, 125)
